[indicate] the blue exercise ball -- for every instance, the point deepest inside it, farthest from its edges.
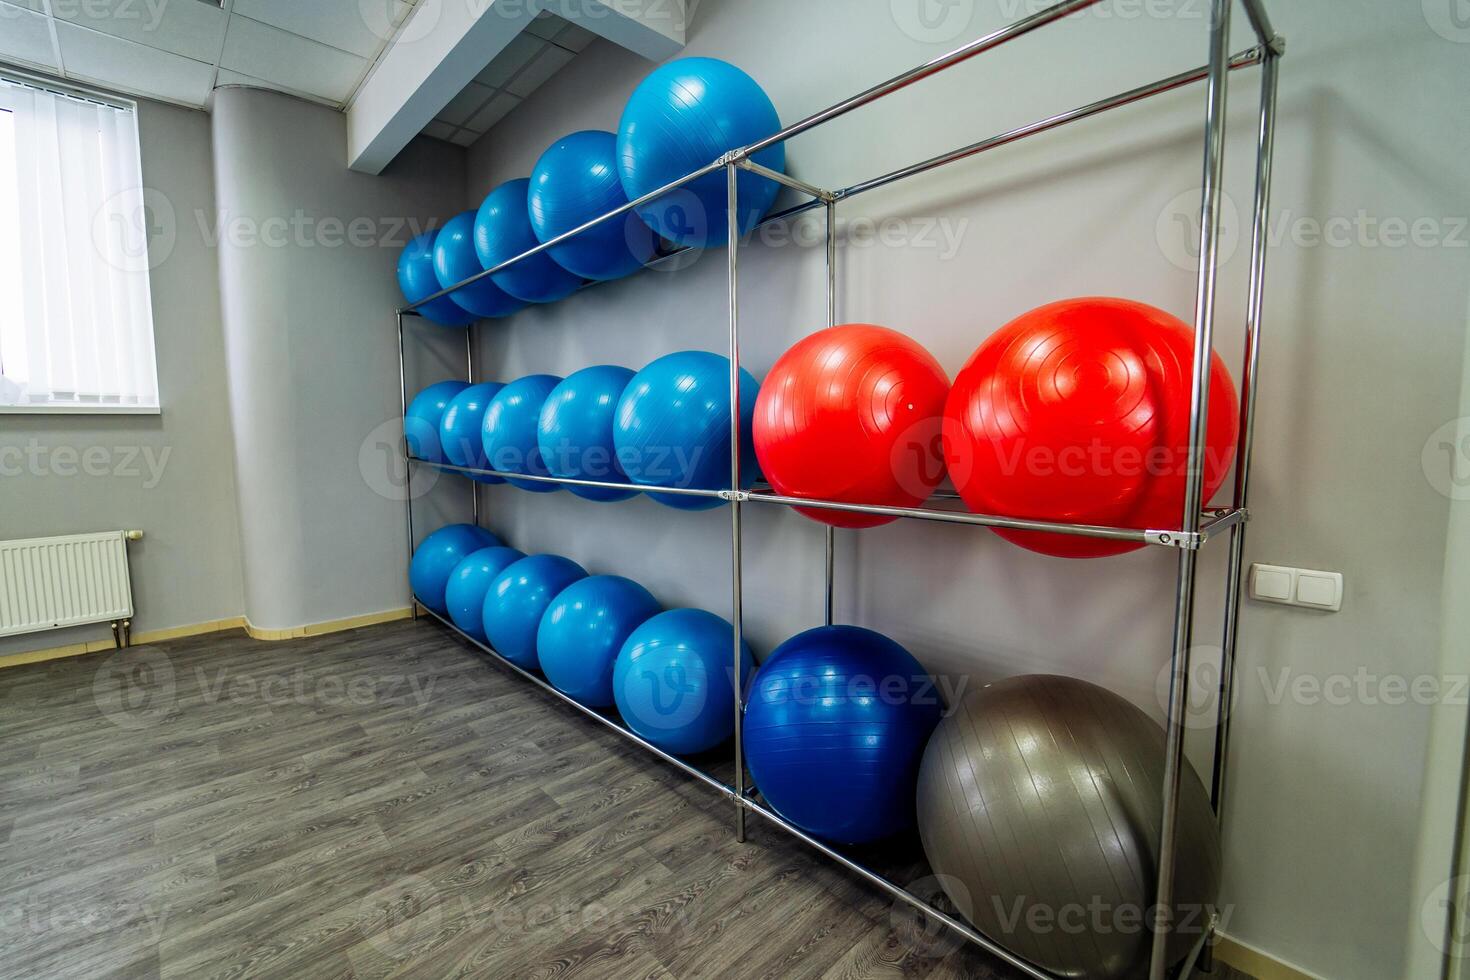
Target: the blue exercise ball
(673, 680)
(455, 261)
(416, 279)
(583, 630)
(835, 729)
(461, 429)
(517, 599)
(685, 115)
(438, 555)
(673, 427)
(423, 422)
(510, 428)
(576, 430)
(503, 231)
(577, 180)
(464, 595)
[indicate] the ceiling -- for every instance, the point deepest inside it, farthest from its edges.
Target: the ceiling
(547, 44)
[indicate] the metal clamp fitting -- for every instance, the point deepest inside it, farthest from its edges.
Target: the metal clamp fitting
(1184, 541)
(735, 496)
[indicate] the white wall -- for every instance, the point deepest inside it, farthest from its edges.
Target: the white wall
(171, 475)
(1363, 352)
(312, 352)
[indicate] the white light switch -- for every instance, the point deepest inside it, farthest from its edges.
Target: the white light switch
(1303, 587)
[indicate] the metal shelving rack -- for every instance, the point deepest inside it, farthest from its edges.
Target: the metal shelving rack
(1198, 526)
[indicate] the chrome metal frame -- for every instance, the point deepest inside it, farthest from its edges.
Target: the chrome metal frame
(1197, 527)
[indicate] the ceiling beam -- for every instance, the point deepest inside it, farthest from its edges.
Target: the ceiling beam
(445, 44)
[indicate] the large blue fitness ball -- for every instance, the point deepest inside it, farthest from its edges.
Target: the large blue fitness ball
(423, 422)
(510, 429)
(517, 600)
(461, 429)
(416, 279)
(576, 430)
(464, 595)
(576, 180)
(455, 261)
(673, 427)
(687, 114)
(438, 555)
(674, 680)
(584, 629)
(835, 729)
(503, 231)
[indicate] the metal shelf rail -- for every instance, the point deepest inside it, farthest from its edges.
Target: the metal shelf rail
(1198, 525)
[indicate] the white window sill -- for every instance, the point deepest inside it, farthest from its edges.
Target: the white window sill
(80, 410)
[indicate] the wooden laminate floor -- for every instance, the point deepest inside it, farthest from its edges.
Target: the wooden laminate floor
(385, 803)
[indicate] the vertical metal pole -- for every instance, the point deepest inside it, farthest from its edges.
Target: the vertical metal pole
(1204, 324)
(831, 532)
(736, 610)
(469, 365)
(413, 605)
(1250, 375)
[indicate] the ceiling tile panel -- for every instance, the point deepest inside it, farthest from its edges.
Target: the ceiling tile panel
(466, 103)
(186, 27)
(114, 62)
(343, 24)
(551, 60)
(497, 109)
(517, 54)
(25, 36)
(287, 59)
(37, 5)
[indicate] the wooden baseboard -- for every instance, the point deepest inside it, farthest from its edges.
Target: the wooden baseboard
(200, 629)
(1259, 964)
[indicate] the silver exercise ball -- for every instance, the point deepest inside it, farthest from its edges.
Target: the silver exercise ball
(1040, 803)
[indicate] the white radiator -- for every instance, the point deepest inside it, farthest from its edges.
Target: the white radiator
(48, 583)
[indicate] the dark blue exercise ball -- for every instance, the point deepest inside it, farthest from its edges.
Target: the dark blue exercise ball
(685, 115)
(584, 629)
(423, 422)
(461, 429)
(517, 599)
(438, 555)
(673, 680)
(503, 231)
(835, 729)
(576, 430)
(416, 279)
(455, 261)
(576, 180)
(673, 427)
(510, 429)
(464, 595)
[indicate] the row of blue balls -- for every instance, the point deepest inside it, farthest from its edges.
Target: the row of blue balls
(682, 117)
(667, 425)
(836, 720)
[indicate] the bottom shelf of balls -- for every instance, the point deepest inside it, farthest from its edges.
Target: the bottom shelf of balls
(1075, 417)
(1036, 799)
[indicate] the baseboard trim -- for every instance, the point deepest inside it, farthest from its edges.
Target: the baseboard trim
(1258, 963)
(200, 629)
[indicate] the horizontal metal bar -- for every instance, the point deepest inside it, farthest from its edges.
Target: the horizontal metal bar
(794, 183)
(592, 713)
(979, 46)
(559, 239)
(900, 893)
(563, 481)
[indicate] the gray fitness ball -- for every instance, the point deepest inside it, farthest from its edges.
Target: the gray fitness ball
(1040, 802)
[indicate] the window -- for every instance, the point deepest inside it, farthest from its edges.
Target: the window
(76, 317)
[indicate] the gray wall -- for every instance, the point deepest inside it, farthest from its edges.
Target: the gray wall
(1364, 349)
(312, 354)
(187, 569)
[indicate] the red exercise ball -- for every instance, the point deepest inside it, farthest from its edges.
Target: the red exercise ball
(853, 414)
(1079, 411)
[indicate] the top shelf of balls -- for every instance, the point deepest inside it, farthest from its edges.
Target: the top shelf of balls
(1067, 431)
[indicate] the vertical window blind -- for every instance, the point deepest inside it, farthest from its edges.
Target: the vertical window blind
(76, 321)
